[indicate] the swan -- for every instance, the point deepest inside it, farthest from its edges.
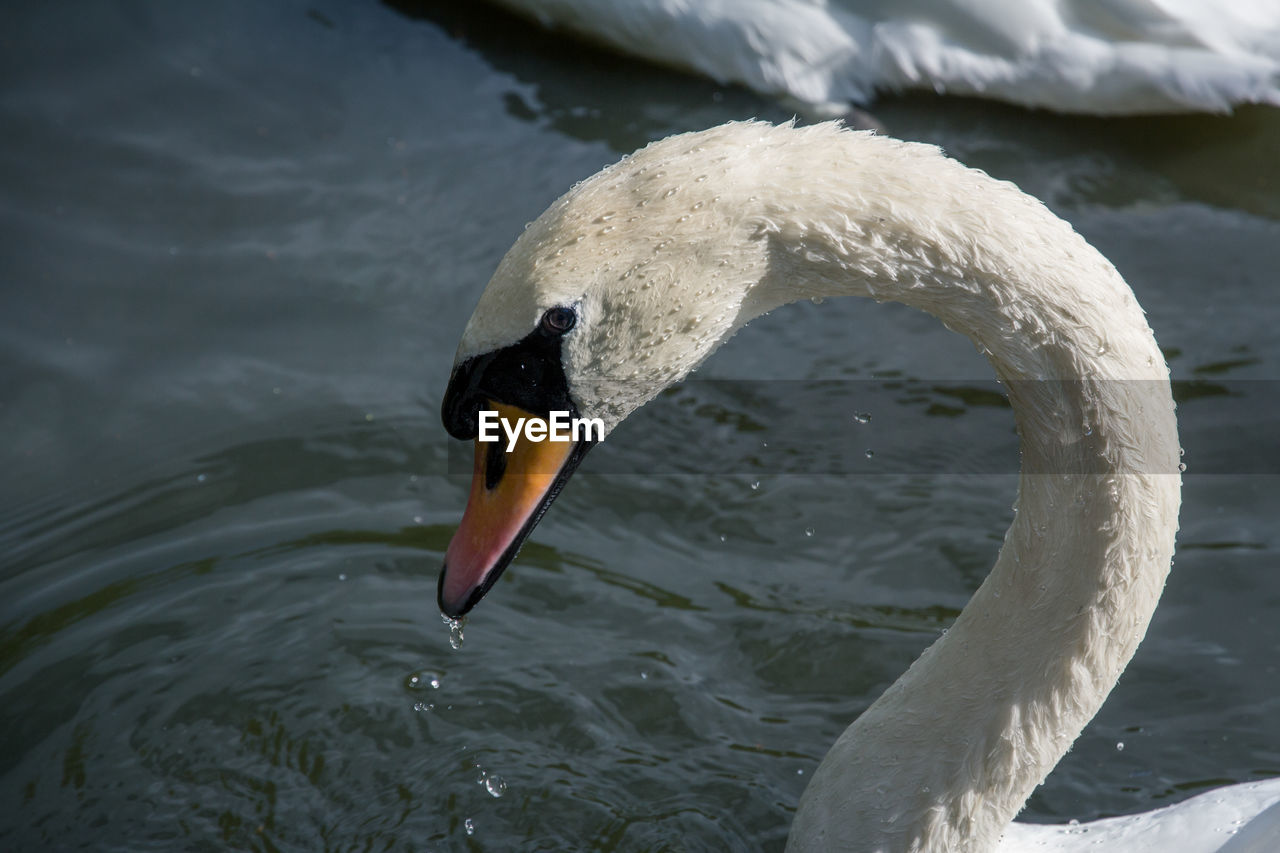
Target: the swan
(1081, 56)
(630, 280)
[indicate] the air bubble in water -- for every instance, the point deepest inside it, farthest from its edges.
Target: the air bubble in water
(808, 531)
(869, 453)
(422, 680)
(469, 826)
(862, 417)
(495, 785)
(1120, 746)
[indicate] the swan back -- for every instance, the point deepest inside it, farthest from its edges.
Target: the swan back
(1105, 56)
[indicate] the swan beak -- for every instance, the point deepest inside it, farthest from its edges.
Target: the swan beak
(510, 490)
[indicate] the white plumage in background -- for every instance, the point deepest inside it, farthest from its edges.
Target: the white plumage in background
(1103, 57)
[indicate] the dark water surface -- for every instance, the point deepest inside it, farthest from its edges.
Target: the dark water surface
(238, 244)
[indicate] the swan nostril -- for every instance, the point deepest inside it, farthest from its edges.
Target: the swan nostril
(495, 465)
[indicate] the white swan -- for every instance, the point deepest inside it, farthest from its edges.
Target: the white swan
(1088, 56)
(631, 279)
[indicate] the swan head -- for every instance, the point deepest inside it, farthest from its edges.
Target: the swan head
(621, 288)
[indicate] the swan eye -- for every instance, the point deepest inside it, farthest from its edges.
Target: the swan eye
(559, 320)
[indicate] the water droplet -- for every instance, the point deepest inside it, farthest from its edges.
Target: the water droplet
(862, 417)
(1120, 746)
(669, 193)
(1088, 430)
(455, 630)
(1073, 822)
(816, 300)
(869, 453)
(469, 826)
(808, 531)
(495, 785)
(606, 229)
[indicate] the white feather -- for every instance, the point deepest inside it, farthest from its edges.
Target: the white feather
(1087, 56)
(670, 251)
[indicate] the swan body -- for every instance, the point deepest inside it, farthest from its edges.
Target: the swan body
(661, 257)
(1108, 57)
(1240, 819)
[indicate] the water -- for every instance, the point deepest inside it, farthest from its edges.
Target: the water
(240, 242)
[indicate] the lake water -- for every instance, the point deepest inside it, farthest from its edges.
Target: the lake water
(239, 244)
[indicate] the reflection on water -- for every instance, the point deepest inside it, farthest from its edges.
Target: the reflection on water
(579, 99)
(240, 243)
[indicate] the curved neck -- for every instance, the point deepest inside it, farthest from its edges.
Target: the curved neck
(949, 754)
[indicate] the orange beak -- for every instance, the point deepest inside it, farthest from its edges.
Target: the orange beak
(510, 490)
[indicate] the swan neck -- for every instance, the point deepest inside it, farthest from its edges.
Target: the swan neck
(949, 754)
